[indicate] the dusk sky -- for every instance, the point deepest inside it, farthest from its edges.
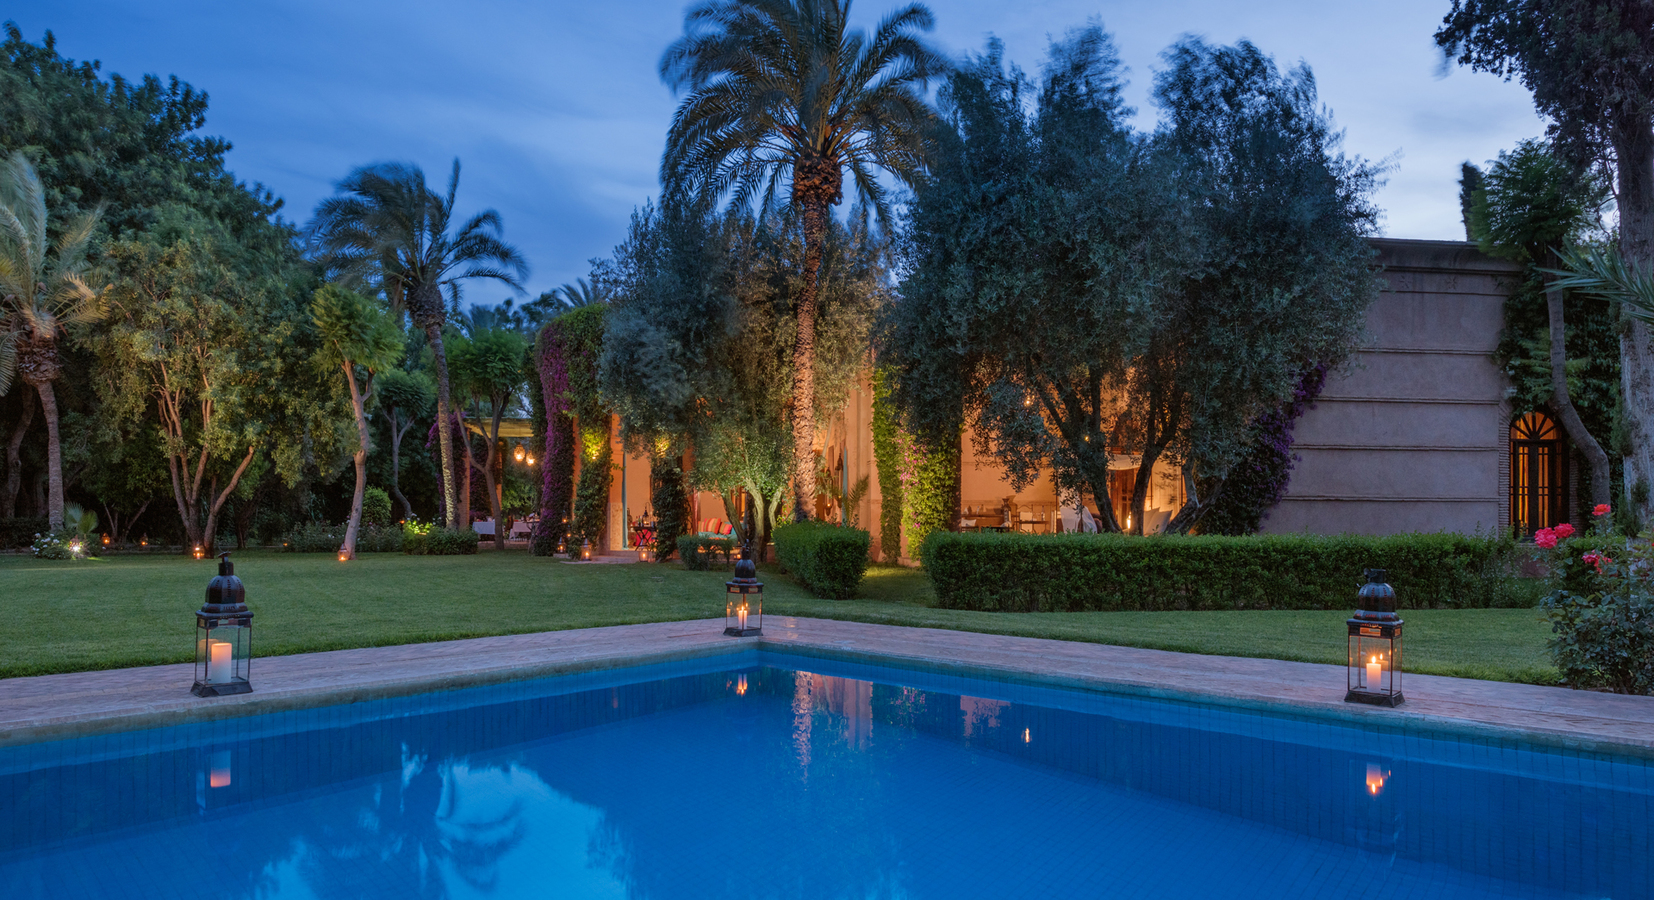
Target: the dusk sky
(558, 113)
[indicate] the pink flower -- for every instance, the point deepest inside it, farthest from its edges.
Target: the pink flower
(1544, 539)
(1601, 510)
(1563, 531)
(1596, 559)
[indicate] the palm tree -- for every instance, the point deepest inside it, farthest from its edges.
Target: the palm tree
(783, 89)
(580, 293)
(41, 298)
(387, 230)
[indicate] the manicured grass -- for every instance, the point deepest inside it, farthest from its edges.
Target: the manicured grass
(138, 610)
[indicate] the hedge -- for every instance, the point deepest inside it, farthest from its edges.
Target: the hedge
(429, 540)
(1073, 572)
(699, 553)
(828, 559)
(18, 533)
(315, 538)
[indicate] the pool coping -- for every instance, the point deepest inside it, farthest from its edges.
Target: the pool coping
(54, 707)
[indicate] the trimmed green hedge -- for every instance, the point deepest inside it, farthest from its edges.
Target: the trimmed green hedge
(699, 553)
(1073, 572)
(316, 538)
(428, 540)
(828, 559)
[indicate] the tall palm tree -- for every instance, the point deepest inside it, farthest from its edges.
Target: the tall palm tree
(387, 230)
(41, 298)
(785, 90)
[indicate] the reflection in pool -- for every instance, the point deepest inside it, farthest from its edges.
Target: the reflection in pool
(744, 778)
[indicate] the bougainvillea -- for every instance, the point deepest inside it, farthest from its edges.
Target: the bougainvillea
(1259, 480)
(557, 474)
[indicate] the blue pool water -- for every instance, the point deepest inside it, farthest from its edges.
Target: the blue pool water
(772, 776)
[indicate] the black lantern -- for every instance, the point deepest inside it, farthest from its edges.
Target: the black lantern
(223, 636)
(744, 612)
(1374, 674)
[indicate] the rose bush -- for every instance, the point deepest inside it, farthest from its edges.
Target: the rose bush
(1601, 607)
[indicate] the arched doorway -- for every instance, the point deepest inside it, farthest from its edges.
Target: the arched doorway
(1538, 474)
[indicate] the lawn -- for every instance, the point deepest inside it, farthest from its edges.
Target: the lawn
(137, 610)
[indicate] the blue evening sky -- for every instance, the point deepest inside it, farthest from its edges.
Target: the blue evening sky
(557, 112)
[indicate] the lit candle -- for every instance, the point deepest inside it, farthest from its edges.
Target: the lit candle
(1375, 674)
(1375, 779)
(220, 774)
(741, 615)
(220, 669)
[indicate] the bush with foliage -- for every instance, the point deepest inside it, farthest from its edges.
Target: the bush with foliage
(699, 553)
(318, 538)
(828, 559)
(1073, 572)
(19, 532)
(63, 544)
(376, 509)
(1601, 608)
(430, 539)
(1258, 481)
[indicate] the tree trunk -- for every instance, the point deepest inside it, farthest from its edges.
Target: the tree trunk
(465, 485)
(1634, 164)
(54, 457)
(444, 427)
(804, 374)
(1601, 493)
(14, 458)
(218, 501)
(396, 464)
(496, 506)
(358, 403)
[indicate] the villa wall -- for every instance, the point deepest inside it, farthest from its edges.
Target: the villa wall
(1414, 434)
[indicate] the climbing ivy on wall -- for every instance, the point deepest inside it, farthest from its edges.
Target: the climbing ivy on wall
(918, 486)
(887, 455)
(1259, 480)
(1593, 366)
(591, 498)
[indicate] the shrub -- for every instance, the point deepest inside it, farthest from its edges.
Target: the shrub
(17, 533)
(427, 539)
(698, 553)
(65, 544)
(319, 538)
(1601, 609)
(671, 502)
(1070, 572)
(827, 559)
(376, 507)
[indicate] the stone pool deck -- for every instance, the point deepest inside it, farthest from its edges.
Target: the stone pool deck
(57, 706)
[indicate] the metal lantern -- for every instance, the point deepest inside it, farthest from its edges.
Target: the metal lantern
(1374, 673)
(199, 553)
(744, 611)
(646, 553)
(223, 636)
(586, 550)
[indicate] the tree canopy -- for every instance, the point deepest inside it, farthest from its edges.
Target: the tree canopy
(1088, 298)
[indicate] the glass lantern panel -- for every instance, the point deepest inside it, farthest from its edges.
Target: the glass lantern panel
(1372, 664)
(226, 654)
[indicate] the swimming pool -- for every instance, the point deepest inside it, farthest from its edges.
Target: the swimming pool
(766, 775)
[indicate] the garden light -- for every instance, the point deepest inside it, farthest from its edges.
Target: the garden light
(520, 453)
(223, 636)
(586, 550)
(1374, 671)
(646, 553)
(199, 553)
(744, 609)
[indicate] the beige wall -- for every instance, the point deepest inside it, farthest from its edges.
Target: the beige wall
(1413, 435)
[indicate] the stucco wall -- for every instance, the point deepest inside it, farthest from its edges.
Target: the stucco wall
(1413, 434)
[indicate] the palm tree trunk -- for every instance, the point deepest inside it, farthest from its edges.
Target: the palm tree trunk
(496, 506)
(444, 428)
(14, 458)
(1634, 168)
(470, 462)
(804, 373)
(1601, 492)
(54, 457)
(357, 403)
